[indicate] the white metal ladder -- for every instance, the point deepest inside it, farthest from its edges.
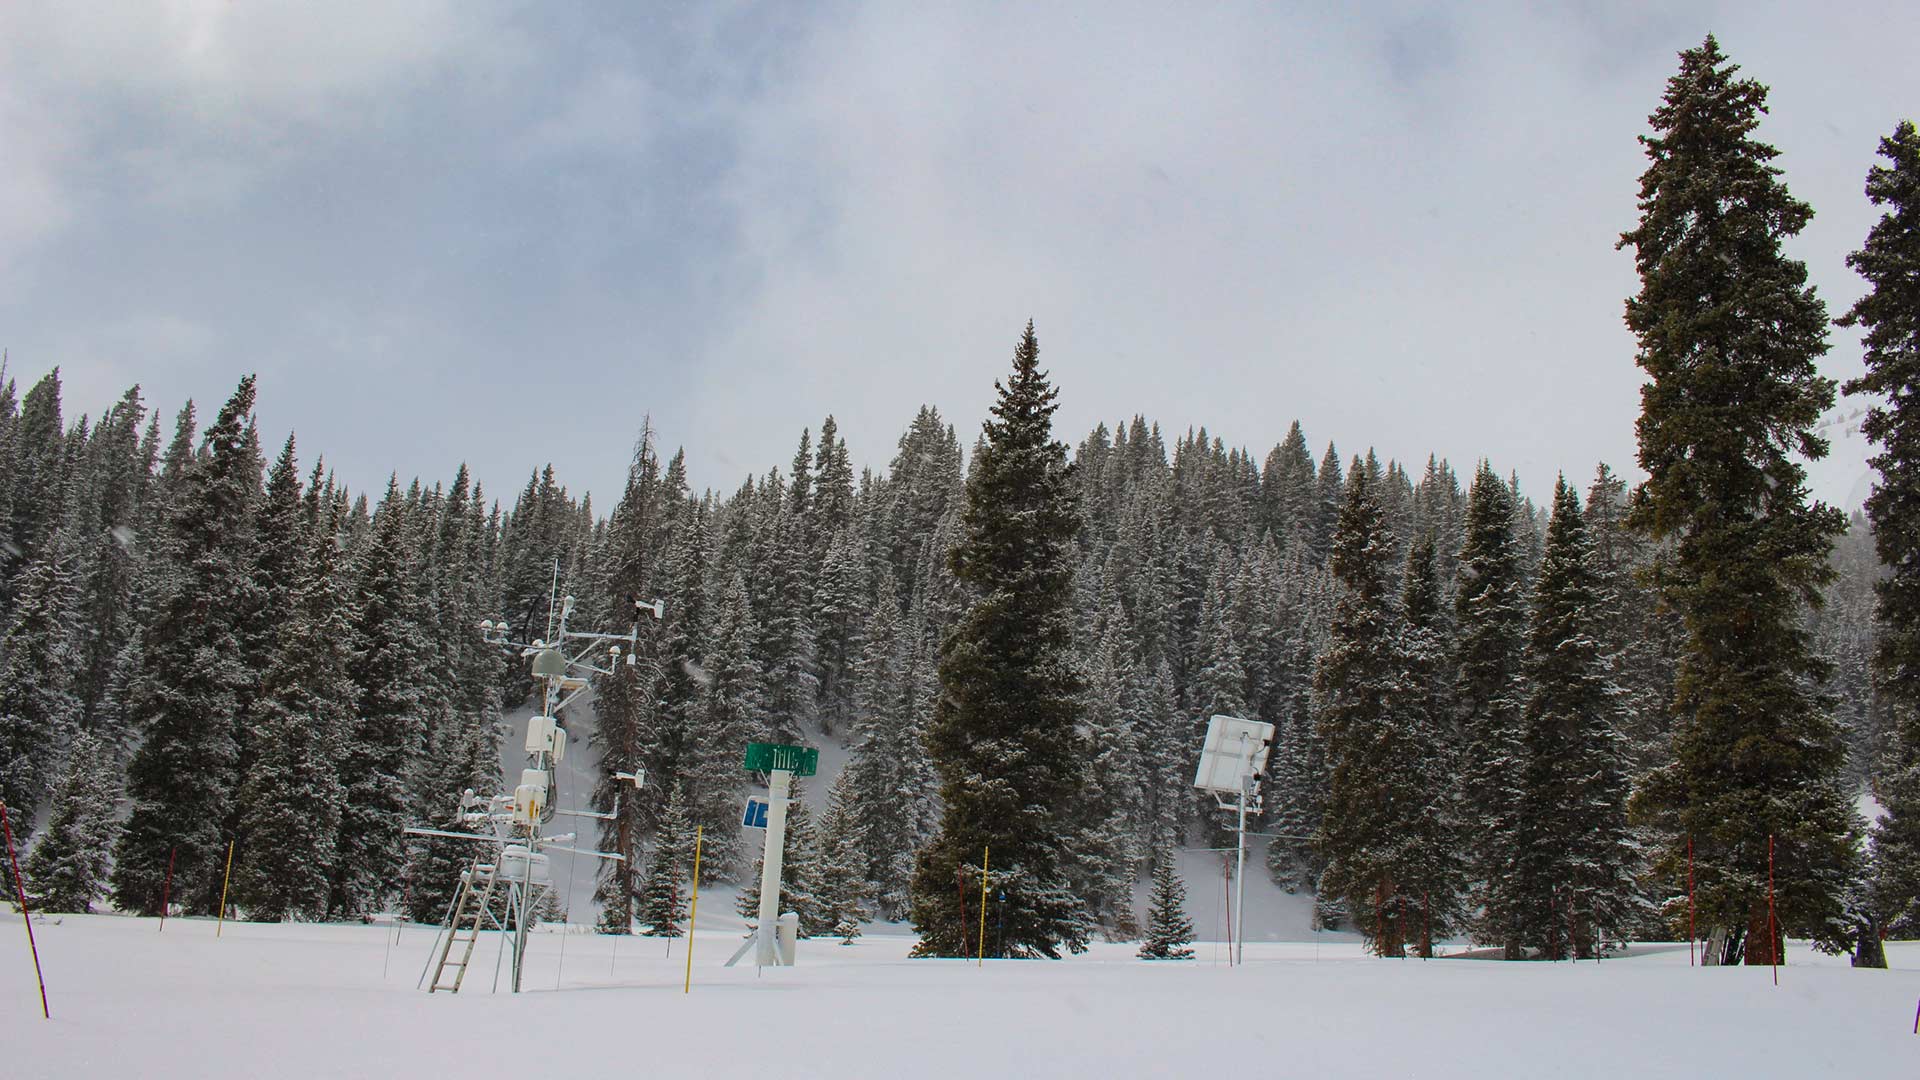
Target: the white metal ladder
(471, 912)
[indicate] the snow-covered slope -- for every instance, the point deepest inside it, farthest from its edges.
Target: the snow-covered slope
(1271, 915)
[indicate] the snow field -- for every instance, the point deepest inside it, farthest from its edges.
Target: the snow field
(307, 1000)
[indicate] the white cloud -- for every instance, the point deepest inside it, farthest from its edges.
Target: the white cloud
(193, 99)
(1398, 229)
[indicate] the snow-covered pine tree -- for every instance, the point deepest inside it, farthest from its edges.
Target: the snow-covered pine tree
(1106, 853)
(840, 607)
(1490, 616)
(35, 474)
(1330, 492)
(1729, 333)
(290, 800)
(182, 779)
(1370, 800)
(1169, 928)
(67, 868)
(888, 770)
(37, 706)
(1890, 313)
(105, 527)
(1574, 865)
(842, 885)
(1286, 487)
(388, 673)
(782, 590)
(1005, 736)
(1427, 844)
(1297, 781)
(626, 702)
(663, 904)
(729, 709)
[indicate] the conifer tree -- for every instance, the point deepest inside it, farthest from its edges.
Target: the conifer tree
(1374, 792)
(67, 868)
(185, 699)
(1574, 868)
(37, 706)
(1005, 732)
(1490, 613)
(36, 465)
(889, 769)
(1890, 314)
(842, 885)
(1729, 332)
(388, 674)
(1428, 839)
(625, 702)
(663, 906)
(1169, 928)
(291, 798)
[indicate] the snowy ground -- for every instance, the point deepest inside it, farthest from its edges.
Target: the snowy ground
(306, 1000)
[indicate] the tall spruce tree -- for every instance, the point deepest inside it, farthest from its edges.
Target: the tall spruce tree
(1005, 736)
(1490, 613)
(382, 752)
(1729, 332)
(185, 698)
(292, 795)
(625, 702)
(1427, 844)
(1574, 861)
(1890, 314)
(1385, 791)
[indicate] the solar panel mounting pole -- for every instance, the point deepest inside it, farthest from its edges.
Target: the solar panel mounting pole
(1240, 867)
(779, 786)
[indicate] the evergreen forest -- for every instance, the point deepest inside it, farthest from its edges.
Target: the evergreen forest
(1520, 717)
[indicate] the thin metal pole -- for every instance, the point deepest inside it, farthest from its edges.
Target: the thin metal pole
(1773, 926)
(985, 850)
(225, 880)
(26, 916)
(693, 912)
(1240, 879)
(166, 889)
(1691, 937)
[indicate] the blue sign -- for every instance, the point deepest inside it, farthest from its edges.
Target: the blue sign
(756, 815)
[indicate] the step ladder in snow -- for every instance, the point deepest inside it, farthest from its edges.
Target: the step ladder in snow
(472, 911)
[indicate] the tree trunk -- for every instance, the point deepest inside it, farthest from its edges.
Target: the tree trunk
(1868, 950)
(1763, 947)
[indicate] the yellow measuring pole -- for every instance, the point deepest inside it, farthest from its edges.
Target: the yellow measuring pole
(693, 912)
(984, 851)
(225, 880)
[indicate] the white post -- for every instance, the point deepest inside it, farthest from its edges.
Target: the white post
(1240, 881)
(779, 784)
(1240, 869)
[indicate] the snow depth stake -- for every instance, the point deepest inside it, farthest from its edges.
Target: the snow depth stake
(693, 912)
(225, 880)
(1689, 901)
(985, 850)
(20, 888)
(1773, 925)
(166, 888)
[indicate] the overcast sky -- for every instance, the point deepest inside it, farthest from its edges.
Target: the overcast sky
(501, 233)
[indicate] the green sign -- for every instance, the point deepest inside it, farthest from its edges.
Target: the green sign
(766, 757)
